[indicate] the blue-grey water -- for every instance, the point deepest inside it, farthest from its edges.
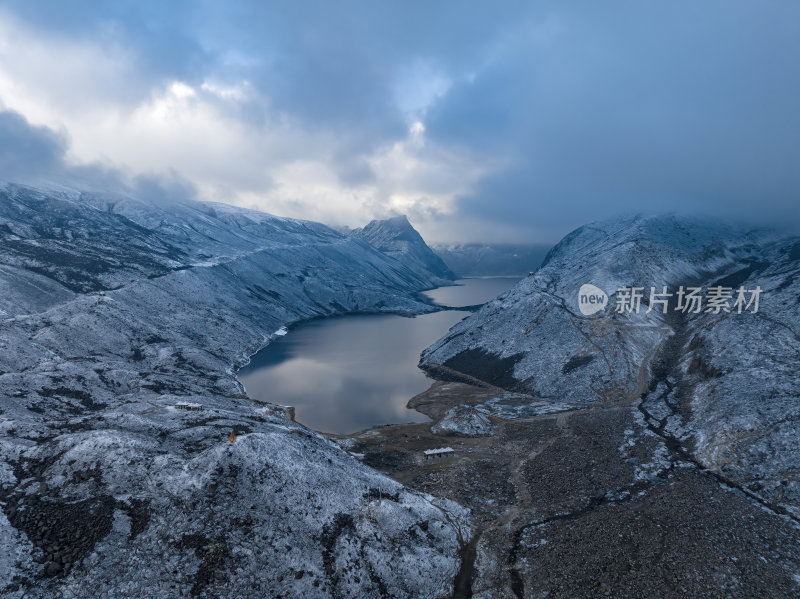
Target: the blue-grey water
(348, 373)
(472, 291)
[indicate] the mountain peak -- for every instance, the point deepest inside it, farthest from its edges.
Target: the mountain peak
(397, 237)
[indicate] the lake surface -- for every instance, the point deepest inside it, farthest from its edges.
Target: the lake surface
(472, 291)
(348, 373)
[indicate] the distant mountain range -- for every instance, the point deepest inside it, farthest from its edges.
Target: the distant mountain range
(498, 259)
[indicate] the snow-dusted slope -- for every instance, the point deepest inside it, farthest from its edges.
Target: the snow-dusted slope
(722, 387)
(114, 312)
(396, 237)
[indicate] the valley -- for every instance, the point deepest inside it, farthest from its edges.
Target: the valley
(621, 454)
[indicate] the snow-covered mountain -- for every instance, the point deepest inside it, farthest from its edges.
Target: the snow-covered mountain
(121, 323)
(397, 238)
(720, 389)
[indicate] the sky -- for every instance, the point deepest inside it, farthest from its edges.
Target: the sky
(511, 121)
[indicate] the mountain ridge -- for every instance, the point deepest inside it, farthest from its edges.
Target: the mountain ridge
(112, 324)
(534, 340)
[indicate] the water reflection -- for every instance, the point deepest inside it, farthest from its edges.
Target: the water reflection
(348, 373)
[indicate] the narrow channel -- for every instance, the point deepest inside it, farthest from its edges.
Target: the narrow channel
(348, 373)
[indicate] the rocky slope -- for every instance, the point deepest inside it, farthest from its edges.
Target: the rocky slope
(121, 323)
(397, 238)
(683, 423)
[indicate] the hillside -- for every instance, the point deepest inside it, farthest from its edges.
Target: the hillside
(635, 451)
(115, 314)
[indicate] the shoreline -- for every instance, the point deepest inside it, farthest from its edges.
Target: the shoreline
(426, 305)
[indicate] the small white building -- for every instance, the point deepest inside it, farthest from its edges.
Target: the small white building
(189, 407)
(442, 452)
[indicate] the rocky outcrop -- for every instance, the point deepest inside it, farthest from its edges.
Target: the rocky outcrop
(464, 420)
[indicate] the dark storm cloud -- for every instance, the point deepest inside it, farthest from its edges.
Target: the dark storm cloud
(27, 150)
(332, 64)
(159, 35)
(591, 108)
(31, 154)
(680, 106)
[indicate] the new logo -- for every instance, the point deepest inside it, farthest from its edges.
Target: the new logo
(591, 299)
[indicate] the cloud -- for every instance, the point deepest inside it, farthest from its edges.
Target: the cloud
(38, 155)
(27, 150)
(670, 108)
(509, 121)
(158, 187)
